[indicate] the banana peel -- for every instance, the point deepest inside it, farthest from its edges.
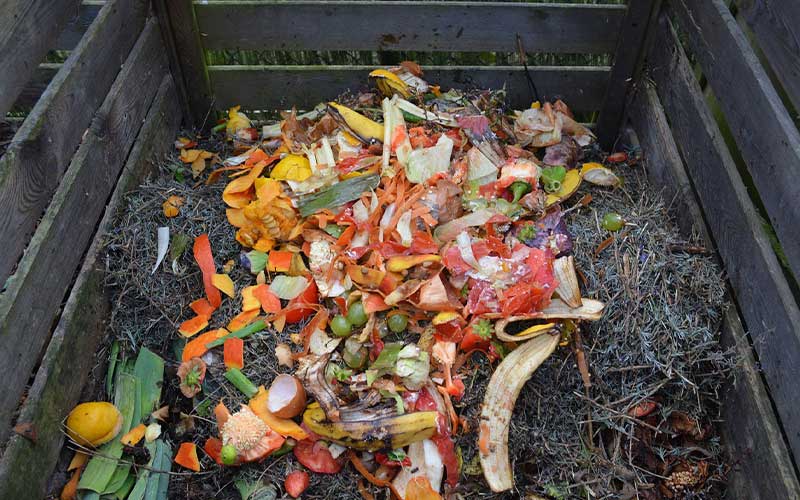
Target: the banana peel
(498, 404)
(375, 434)
(364, 129)
(389, 83)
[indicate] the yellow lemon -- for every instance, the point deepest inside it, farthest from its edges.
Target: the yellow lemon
(93, 424)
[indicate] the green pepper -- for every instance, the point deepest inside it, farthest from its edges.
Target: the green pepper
(519, 189)
(552, 177)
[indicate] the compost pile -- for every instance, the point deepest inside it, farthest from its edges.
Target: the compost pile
(348, 302)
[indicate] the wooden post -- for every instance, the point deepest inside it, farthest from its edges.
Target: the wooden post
(627, 62)
(187, 60)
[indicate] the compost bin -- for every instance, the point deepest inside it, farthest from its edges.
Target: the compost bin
(135, 151)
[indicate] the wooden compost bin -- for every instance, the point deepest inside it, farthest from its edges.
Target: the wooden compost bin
(97, 124)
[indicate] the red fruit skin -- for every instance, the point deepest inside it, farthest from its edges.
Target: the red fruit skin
(296, 483)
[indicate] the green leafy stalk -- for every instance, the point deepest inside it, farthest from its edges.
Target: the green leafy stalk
(241, 382)
(112, 365)
(255, 326)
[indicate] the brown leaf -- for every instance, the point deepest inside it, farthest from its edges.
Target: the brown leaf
(412, 67)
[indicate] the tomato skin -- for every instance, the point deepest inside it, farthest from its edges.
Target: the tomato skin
(473, 342)
(422, 243)
(309, 296)
(296, 483)
(447, 449)
(316, 457)
(449, 332)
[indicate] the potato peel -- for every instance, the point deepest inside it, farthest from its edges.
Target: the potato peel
(498, 404)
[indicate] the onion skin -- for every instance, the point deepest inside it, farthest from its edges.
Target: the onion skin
(295, 405)
(498, 404)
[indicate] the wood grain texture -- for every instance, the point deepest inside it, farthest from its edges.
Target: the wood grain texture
(765, 133)
(767, 304)
(28, 29)
(186, 39)
(33, 296)
(424, 26)
(41, 149)
(25, 467)
(761, 463)
(36, 86)
(665, 169)
(776, 24)
(279, 87)
(627, 56)
(78, 24)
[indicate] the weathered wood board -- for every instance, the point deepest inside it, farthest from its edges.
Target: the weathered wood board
(422, 26)
(28, 29)
(767, 304)
(761, 463)
(33, 296)
(32, 167)
(25, 466)
(279, 87)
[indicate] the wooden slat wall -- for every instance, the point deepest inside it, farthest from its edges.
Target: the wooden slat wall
(764, 131)
(627, 57)
(279, 87)
(25, 466)
(32, 167)
(465, 26)
(36, 86)
(402, 25)
(761, 467)
(78, 24)
(28, 29)
(776, 24)
(33, 296)
(764, 297)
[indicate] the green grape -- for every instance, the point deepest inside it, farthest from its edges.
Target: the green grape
(340, 326)
(612, 221)
(397, 323)
(356, 359)
(356, 314)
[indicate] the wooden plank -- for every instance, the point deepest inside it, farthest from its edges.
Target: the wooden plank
(767, 304)
(25, 467)
(28, 29)
(403, 25)
(765, 133)
(34, 294)
(776, 24)
(36, 86)
(273, 87)
(627, 56)
(78, 24)
(40, 151)
(664, 166)
(761, 463)
(180, 16)
(161, 11)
